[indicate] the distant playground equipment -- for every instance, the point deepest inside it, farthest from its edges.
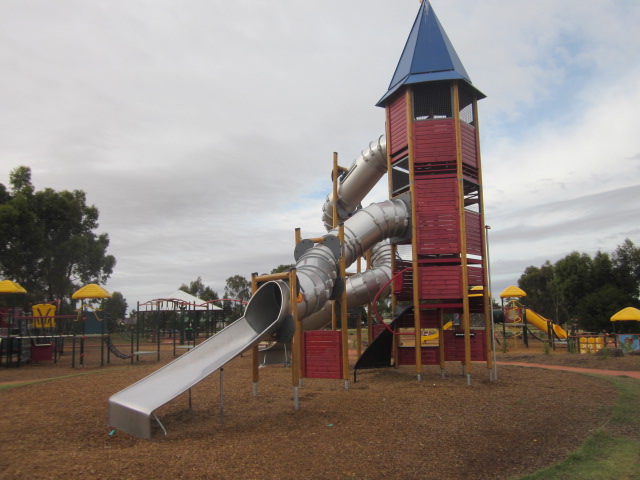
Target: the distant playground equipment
(431, 229)
(627, 342)
(45, 336)
(517, 317)
(179, 318)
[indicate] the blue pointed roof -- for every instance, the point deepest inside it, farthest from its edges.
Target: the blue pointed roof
(428, 56)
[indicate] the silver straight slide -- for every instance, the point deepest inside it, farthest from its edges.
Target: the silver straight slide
(131, 409)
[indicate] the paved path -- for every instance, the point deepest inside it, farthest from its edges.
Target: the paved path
(615, 373)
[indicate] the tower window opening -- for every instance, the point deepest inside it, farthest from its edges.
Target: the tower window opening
(400, 176)
(466, 106)
(432, 101)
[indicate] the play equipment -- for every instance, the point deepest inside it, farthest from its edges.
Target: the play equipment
(9, 286)
(517, 316)
(628, 342)
(543, 324)
(181, 316)
(435, 210)
(45, 335)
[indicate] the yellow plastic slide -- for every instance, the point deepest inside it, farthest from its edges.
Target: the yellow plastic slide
(540, 322)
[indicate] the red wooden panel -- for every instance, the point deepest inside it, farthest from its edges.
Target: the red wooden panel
(434, 141)
(429, 355)
(454, 346)
(475, 232)
(438, 282)
(438, 233)
(377, 330)
(397, 125)
(475, 275)
(469, 144)
(322, 354)
(428, 319)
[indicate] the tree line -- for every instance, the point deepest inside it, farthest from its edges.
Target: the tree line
(585, 290)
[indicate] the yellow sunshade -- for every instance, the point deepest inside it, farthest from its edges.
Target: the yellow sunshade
(628, 313)
(91, 291)
(513, 291)
(7, 286)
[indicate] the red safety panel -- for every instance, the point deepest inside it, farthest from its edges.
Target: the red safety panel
(42, 353)
(397, 125)
(322, 354)
(429, 355)
(438, 224)
(469, 145)
(474, 230)
(428, 319)
(475, 275)
(434, 141)
(440, 281)
(454, 346)
(377, 330)
(436, 193)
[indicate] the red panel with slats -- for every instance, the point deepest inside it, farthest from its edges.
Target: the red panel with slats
(322, 354)
(397, 125)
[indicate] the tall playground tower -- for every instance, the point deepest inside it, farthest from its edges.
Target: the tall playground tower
(433, 155)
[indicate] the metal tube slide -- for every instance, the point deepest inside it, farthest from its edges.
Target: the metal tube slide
(130, 410)
(364, 173)
(317, 267)
(361, 288)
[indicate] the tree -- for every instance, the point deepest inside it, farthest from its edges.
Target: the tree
(48, 241)
(198, 289)
(114, 310)
(239, 288)
(626, 262)
(283, 268)
(542, 291)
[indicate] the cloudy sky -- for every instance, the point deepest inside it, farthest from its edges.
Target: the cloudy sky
(203, 130)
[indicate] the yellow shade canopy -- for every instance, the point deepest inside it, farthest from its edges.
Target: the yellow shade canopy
(8, 286)
(513, 291)
(628, 313)
(91, 291)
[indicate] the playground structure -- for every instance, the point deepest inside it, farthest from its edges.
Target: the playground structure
(45, 336)
(180, 317)
(426, 246)
(518, 318)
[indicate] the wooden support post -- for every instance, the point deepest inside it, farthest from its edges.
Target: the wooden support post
(255, 351)
(334, 179)
(414, 237)
(343, 313)
(296, 344)
(466, 320)
(441, 358)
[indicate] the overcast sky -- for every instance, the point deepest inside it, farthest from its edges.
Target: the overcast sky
(203, 130)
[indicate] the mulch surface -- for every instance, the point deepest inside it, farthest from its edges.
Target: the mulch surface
(387, 425)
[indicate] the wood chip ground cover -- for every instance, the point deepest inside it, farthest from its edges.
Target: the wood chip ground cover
(387, 425)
